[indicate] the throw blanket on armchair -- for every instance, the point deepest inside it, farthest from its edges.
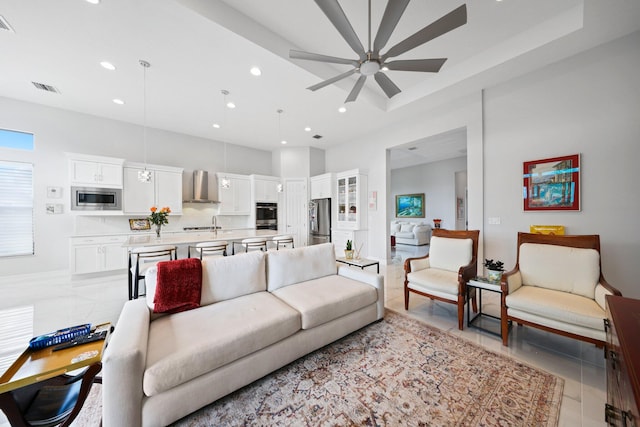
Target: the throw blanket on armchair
(179, 285)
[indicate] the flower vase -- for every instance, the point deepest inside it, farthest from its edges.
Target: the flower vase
(158, 229)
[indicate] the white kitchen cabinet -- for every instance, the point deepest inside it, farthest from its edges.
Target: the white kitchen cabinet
(164, 189)
(97, 254)
(86, 170)
(352, 200)
(264, 189)
(322, 186)
(358, 238)
(235, 200)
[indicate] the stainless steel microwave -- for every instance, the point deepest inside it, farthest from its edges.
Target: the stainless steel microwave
(96, 199)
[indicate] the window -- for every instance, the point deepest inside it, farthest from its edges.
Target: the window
(16, 208)
(15, 139)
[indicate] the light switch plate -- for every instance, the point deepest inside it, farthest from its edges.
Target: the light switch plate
(494, 220)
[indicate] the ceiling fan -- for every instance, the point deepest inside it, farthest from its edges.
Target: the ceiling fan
(371, 61)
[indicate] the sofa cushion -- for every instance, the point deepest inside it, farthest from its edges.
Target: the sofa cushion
(431, 279)
(401, 235)
(297, 265)
(224, 278)
(557, 305)
(449, 253)
(407, 228)
(563, 268)
(185, 345)
(327, 298)
(395, 227)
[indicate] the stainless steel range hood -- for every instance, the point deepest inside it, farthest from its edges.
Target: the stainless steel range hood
(200, 188)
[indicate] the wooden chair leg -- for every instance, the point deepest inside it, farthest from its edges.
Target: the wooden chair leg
(406, 297)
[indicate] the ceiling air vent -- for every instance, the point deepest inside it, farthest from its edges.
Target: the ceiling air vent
(45, 87)
(4, 25)
(317, 136)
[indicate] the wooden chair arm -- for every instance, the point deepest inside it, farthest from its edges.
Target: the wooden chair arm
(466, 273)
(609, 287)
(407, 263)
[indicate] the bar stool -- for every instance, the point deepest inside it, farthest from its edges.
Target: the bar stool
(283, 241)
(145, 257)
(254, 243)
(209, 248)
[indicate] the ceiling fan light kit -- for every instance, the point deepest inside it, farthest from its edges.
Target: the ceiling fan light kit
(371, 62)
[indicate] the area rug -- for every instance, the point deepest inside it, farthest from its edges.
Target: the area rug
(395, 372)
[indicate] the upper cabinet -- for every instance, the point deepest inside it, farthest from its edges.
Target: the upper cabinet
(352, 200)
(322, 186)
(95, 171)
(264, 188)
(164, 189)
(236, 199)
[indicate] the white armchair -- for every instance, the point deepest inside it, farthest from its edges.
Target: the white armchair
(410, 233)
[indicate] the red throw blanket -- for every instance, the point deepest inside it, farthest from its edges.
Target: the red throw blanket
(179, 285)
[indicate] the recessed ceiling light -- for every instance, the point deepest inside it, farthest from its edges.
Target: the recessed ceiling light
(256, 71)
(93, 1)
(283, 142)
(118, 101)
(307, 129)
(108, 65)
(217, 126)
(342, 110)
(231, 105)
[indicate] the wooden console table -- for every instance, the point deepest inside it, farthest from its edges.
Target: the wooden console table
(37, 376)
(622, 352)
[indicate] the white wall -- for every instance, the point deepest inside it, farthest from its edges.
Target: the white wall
(58, 131)
(437, 181)
(588, 104)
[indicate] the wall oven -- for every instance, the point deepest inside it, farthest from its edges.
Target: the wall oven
(266, 216)
(96, 199)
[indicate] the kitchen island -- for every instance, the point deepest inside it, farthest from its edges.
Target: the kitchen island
(192, 238)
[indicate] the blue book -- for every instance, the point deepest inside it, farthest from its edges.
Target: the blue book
(58, 337)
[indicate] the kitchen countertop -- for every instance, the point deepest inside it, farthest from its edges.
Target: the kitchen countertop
(189, 237)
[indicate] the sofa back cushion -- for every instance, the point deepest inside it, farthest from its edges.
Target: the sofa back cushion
(450, 254)
(229, 277)
(563, 268)
(286, 267)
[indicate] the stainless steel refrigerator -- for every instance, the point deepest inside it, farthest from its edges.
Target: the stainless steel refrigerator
(319, 221)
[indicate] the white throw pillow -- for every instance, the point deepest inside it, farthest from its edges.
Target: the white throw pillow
(407, 228)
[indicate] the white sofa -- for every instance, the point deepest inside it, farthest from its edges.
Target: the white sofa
(410, 233)
(557, 286)
(258, 312)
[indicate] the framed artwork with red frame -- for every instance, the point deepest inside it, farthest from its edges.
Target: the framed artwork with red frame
(552, 184)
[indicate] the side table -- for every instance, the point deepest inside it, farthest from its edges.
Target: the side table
(362, 263)
(39, 382)
(480, 283)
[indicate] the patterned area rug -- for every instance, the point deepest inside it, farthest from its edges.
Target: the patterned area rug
(395, 372)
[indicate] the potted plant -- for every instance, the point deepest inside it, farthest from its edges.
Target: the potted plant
(437, 222)
(348, 251)
(495, 269)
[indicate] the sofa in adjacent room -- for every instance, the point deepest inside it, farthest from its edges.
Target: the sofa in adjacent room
(257, 312)
(410, 233)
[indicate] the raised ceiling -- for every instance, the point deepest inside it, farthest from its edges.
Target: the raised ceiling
(199, 47)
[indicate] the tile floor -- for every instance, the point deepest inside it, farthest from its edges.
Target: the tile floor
(62, 302)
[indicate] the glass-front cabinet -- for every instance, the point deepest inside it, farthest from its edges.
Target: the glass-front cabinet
(352, 189)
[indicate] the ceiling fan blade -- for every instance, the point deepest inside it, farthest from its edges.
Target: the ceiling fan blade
(331, 80)
(392, 15)
(334, 12)
(298, 54)
(424, 65)
(448, 22)
(389, 88)
(353, 95)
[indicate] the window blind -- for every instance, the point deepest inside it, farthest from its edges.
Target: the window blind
(16, 208)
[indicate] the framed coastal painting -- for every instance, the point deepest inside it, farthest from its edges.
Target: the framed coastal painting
(410, 206)
(552, 184)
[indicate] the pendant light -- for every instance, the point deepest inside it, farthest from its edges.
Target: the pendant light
(226, 182)
(144, 175)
